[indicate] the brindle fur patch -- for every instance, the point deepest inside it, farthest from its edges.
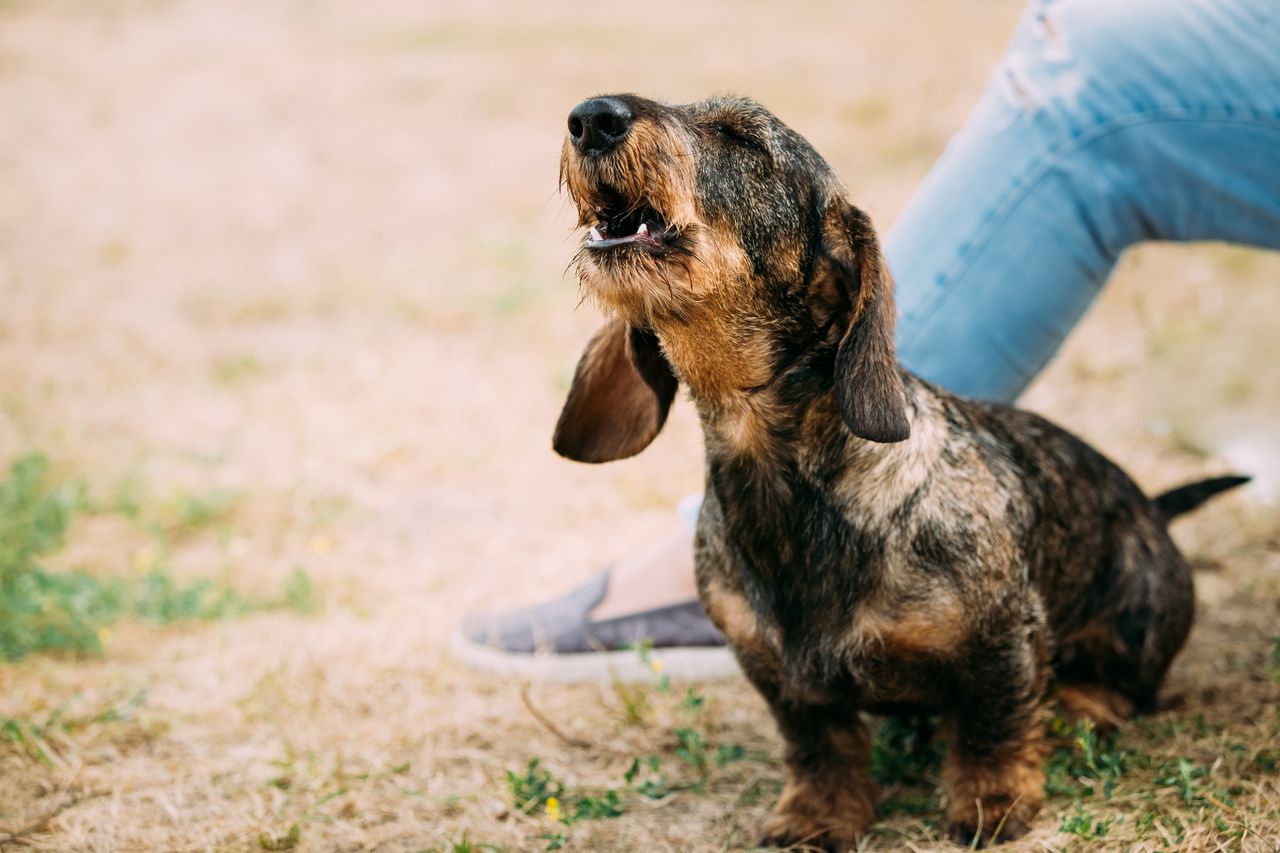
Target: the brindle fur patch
(934, 627)
(867, 542)
(995, 798)
(823, 804)
(731, 613)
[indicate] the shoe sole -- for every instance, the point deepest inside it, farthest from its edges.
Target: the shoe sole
(676, 663)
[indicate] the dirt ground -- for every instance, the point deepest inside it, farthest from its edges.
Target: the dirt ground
(311, 254)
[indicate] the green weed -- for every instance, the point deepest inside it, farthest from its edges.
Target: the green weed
(65, 611)
(1189, 779)
(300, 594)
(691, 748)
(281, 841)
(904, 751)
(536, 791)
(532, 789)
(1084, 825)
(1085, 763)
(555, 840)
(645, 777)
(588, 807)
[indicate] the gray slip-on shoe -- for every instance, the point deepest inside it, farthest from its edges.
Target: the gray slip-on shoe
(558, 641)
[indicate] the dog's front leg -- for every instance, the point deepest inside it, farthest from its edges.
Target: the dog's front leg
(994, 769)
(828, 801)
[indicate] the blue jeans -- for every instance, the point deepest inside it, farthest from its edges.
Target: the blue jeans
(1105, 124)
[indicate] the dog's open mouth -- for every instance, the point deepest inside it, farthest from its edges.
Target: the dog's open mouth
(622, 224)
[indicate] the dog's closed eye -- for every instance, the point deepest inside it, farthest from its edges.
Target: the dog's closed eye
(739, 137)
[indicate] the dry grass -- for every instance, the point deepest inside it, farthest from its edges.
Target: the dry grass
(311, 254)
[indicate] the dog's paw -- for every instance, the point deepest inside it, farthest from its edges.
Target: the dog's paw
(993, 825)
(820, 814)
(789, 830)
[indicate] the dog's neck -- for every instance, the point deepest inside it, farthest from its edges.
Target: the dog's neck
(763, 388)
(773, 428)
(791, 429)
(716, 358)
(753, 399)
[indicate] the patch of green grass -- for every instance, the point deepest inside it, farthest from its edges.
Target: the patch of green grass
(38, 609)
(691, 748)
(905, 758)
(49, 739)
(286, 840)
(591, 807)
(917, 802)
(29, 738)
(160, 599)
(301, 595)
(645, 777)
(905, 751)
(65, 611)
(532, 789)
(177, 517)
(536, 791)
(1187, 778)
(1266, 761)
(555, 840)
(692, 701)
(1084, 825)
(1085, 764)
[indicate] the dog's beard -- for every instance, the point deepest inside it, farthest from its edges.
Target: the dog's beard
(643, 290)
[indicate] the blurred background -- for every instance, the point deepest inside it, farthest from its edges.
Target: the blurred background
(284, 328)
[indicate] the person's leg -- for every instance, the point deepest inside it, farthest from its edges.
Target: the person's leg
(1104, 124)
(656, 576)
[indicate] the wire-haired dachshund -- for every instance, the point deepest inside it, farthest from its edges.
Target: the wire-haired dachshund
(868, 542)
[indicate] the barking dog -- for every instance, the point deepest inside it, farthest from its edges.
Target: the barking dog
(868, 542)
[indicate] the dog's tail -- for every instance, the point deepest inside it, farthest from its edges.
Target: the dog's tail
(1175, 502)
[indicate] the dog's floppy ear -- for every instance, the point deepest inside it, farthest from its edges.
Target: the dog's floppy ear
(868, 382)
(621, 393)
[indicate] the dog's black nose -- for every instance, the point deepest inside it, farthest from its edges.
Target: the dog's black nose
(597, 125)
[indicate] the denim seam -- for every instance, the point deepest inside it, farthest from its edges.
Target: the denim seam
(1005, 207)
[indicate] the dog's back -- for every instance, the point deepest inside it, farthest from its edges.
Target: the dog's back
(1117, 593)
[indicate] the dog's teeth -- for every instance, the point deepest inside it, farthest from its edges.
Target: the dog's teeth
(643, 230)
(595, 237)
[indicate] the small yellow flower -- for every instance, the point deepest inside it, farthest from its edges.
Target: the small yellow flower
(553, 808)
(656, 665)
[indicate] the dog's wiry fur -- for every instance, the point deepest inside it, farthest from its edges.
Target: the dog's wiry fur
(868, 542)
